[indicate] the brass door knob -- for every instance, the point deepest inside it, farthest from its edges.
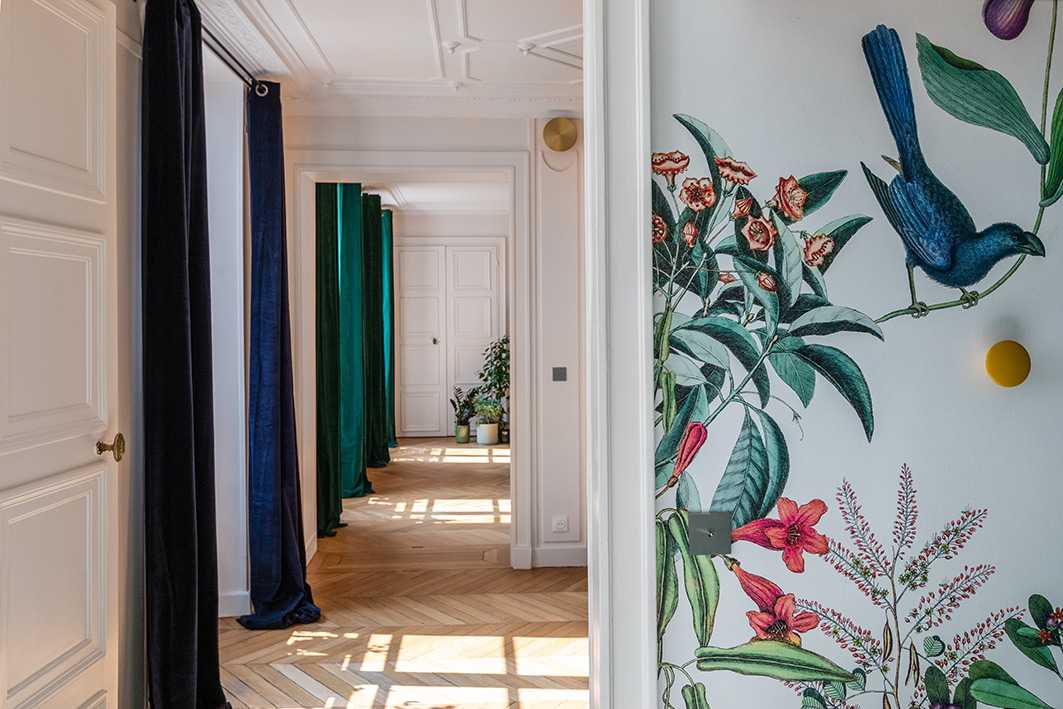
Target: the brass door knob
(117, 447)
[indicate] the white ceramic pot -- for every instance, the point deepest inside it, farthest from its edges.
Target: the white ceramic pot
(487, 434)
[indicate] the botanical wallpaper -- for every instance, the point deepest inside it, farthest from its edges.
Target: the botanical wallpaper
(748, 326)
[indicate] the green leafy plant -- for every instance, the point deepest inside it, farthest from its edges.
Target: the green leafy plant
(494, 374)
(742, 309)
(488, 410)
(464, 404)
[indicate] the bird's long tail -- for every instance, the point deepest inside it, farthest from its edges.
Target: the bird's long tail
(889, 70)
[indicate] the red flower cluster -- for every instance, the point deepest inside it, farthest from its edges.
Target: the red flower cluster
(774, 618)
(690, 233)
(794, 532)
(660, 229)
(760, 233)
(767, 282)
(726, 277)
(790, 198)
(698, 194)
(734, 171)
(816, 249)
(668, 165)
(742, 207)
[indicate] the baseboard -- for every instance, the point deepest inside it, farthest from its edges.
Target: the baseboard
(520, 557)
(559, 555)
(233, 604)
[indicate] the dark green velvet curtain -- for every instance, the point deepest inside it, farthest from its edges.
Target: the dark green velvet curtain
(329, 506)
(353, 372)
(355, 346)
(376, 410)
(387, 239)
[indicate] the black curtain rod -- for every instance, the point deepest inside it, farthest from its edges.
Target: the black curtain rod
(229, 59)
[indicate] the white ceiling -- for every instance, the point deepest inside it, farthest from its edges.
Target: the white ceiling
(375, 57)
(441, 191)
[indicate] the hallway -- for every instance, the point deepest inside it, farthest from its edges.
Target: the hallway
(419, 605)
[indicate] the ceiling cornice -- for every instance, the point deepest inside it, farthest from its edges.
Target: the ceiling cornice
(273, 40)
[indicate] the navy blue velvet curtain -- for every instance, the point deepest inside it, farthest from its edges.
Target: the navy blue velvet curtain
(181, 556)
(280, 595)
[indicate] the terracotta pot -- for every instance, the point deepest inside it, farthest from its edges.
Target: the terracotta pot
(461, 433)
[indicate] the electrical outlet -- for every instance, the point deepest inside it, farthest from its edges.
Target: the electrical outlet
(560, 525)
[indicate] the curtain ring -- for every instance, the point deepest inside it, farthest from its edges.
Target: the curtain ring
(261, 89)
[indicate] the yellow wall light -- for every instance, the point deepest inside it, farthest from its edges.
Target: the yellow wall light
(1007, 363)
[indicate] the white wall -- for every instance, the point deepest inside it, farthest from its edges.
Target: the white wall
(557, 487)
(224, 97)
(787, 87)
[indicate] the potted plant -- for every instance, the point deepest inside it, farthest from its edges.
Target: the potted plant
(464, 405)
(488, 414)
(495, 377)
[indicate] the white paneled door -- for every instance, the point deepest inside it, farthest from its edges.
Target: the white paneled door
(422, 360)
(451, 306)
(58, 354)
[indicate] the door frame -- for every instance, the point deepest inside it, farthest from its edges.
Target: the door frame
(414, 241)
(619, 357)
(307, 167)
(617, 352)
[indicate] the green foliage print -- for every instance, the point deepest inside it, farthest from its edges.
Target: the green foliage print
(743, 317)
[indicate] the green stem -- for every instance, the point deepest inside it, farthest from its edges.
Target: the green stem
(1040, 210)
(745, 380)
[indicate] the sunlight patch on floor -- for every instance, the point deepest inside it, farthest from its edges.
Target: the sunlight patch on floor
(470, 454)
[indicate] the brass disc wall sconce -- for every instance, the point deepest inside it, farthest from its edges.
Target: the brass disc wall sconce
(560, 134)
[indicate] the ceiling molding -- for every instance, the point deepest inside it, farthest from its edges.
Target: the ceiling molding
(274, 39)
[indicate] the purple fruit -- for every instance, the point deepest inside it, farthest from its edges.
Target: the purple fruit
(1006, 19)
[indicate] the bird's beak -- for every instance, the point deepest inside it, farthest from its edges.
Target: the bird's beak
(1032, 245)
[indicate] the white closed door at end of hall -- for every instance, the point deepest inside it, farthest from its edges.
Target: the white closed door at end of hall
(450, 307)
(58, 354)
(421, 313)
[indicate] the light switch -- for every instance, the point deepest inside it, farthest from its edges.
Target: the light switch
(710, 533)
(560, 374)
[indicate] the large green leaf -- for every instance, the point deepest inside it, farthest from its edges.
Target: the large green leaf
(667, 583)
(701, 346)
(1040, 609)
(741, 344)
(699, 578)
(998, 693)
(962, 696)
(778, 462)
(1053, 187)
(820, 186)
(744, 482)
(812, 699)
(771, 658)
(694, 408)
(830, 319)
(666, 380)
(936, 685)
(840, 370)
(788, 263)
(687, 496)
(977, 95)
(687, 371)
(694, 696)
(795, 372)
(1025, 638)
(814, 278)
(840, 230)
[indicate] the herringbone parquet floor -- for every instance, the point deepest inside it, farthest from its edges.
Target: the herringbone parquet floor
(420, 608)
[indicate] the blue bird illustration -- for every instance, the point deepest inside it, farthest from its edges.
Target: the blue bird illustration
(938, 233)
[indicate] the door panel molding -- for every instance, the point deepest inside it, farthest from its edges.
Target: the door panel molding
(45, 334)
(47, 519)
(73, 164)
